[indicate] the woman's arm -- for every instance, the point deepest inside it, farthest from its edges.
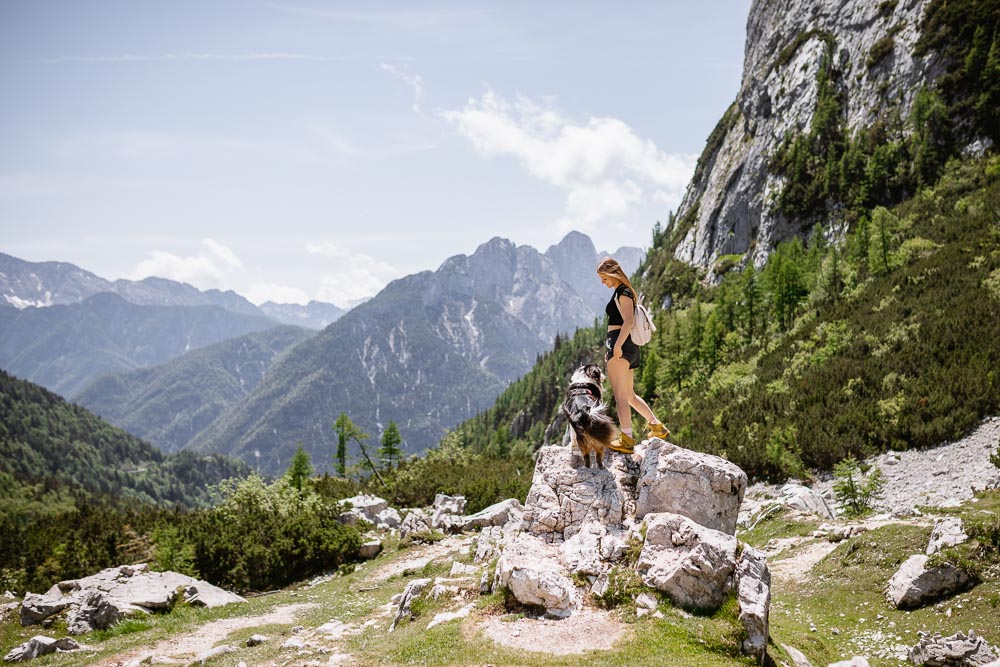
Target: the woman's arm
(627, 308)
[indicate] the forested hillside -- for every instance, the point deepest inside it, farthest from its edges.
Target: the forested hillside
(52, 450)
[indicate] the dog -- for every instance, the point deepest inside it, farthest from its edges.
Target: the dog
(591, 430)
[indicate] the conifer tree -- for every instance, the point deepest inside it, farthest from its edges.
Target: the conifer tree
(300, 469)
(390, 450)
(346, 430)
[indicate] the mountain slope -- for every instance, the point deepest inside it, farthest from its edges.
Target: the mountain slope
(65, 347)
(170, 404)
(45, 440)
(429, 350)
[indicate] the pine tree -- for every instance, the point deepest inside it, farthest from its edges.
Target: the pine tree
(300, 468)
(346, 430)
(390, 450)
(751, 301)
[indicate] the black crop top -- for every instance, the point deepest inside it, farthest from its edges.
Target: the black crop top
(614, 315)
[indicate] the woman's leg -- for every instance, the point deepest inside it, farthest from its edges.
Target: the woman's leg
(637, 402)
(621, 384)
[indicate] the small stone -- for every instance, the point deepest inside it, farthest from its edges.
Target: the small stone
(257, 640)
(294, 642)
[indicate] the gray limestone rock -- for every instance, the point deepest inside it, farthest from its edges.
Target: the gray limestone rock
(498, 514)
(530, 569)
(856, 661)
(804, 499)
(40, 645)
(563, 497)
(370, 549)
(914, 584)
(366, 507)
(707, 489)
(592, 549)
(958, 650)
(36, 608)
(947, 533)
(414, 522)
(689, 562)
(753, 594)
(388, 518)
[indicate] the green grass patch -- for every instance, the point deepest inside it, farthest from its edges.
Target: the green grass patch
(778, 524)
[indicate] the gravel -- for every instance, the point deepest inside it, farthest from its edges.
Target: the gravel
(943, 476)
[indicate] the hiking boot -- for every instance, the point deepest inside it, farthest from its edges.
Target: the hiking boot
(659, 430)
(624, 444)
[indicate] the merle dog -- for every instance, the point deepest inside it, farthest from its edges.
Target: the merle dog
(590, 428)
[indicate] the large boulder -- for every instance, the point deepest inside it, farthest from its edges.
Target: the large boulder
(689, 562)
(388, 518)
(447, 513)
(915, 584)
(416, 521)
(498, 514)
(804, 499)
(707, 489)
(123, 590)
(366, 507)
(36, 608)
(947, 533)
(530, 570)
(753, 594)
(958, 650)
(40, 645)
(563, 497)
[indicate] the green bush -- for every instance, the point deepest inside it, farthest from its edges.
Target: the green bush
(855, 491)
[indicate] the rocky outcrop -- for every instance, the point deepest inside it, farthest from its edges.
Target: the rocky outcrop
(689, 562)
(804, 499)
(495, 515)
(447, 513)
(958, 650)
(947, 533)
(365, 507)
(753, 594)
(564, 496)
(99, 600)
(728, 207)
(915, 584)
(707, 489)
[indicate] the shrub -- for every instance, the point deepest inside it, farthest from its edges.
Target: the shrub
(855, 492)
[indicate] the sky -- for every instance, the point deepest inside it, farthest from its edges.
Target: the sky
(293, 150)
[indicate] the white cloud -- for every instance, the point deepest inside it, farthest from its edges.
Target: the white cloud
(414, 81)
(206, 269)
(353, 277)
(605, 169)
(262, 292)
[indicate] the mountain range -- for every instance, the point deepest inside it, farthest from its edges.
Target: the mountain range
(428, 351)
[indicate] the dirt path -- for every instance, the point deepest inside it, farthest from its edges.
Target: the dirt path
(585, 630)
(187, 647)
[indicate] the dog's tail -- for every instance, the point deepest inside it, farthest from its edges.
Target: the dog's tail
(593, 422)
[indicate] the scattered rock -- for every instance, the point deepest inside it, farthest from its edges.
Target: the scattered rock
(294, 642)
(689, 562)
(257, 640)
(463, 570)
(449, 504)
(388, 518)
(914, 584)
(798, 659)
(415, 522)
(856, 661)
(447, 513)
(366, 507)
(947, 533)
(450, 616)
(40, 645)
(216, 652)
(804, 499)
(532, 574)
(753, 594)
(495, 515)
(412, 591)
(707, 489)
(646, 601)
(954, 651)
(370, 549)
(121, 591)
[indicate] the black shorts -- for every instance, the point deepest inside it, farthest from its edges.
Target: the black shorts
(630, 351)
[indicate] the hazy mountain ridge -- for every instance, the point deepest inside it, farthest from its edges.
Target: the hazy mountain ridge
(168, 405)
(65, 347)
(313, 315)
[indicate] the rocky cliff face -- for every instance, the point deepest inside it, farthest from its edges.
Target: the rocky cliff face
(728, 208)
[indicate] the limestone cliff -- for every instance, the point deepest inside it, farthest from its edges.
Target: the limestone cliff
(728, 208)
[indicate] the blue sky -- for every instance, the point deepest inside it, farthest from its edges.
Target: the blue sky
(306, 150)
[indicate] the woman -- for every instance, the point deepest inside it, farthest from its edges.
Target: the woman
(623, 356)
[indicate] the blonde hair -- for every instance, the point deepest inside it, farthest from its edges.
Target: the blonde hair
(610, 267)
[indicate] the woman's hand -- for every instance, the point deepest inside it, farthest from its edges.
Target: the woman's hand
(616, 353)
